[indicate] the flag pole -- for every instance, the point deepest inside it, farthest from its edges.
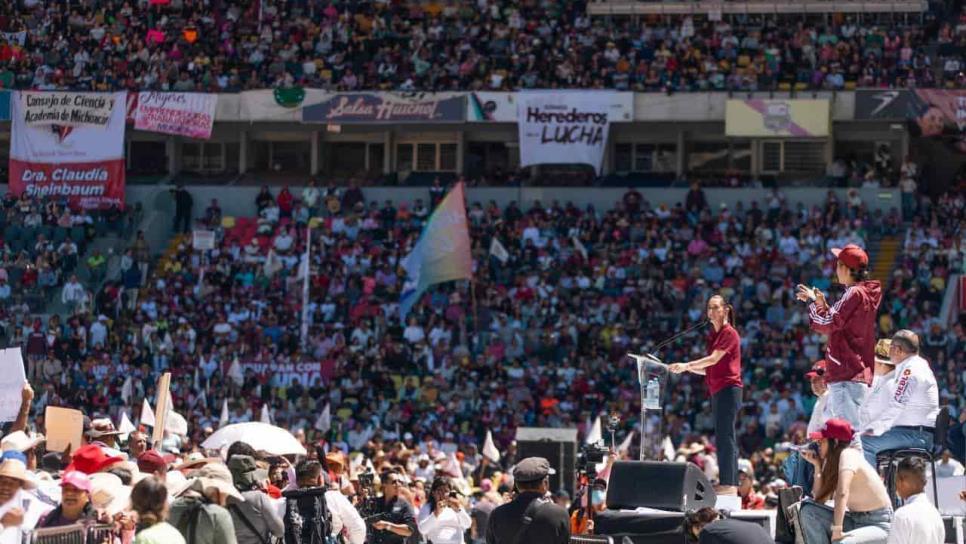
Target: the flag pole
(476, 315)
(305, 287)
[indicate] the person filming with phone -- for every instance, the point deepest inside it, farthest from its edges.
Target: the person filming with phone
(443, 519)
(843, 475)
(851, 329)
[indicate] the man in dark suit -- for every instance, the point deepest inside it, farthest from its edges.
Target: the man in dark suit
(531, 516)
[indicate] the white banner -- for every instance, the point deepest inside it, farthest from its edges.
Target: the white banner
(12, 378)
(70, 145)
(565, 127)
(182, 114)
(18, 38)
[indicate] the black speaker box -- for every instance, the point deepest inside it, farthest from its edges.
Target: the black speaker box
(641, 528)
(676, 487)
(558, 446)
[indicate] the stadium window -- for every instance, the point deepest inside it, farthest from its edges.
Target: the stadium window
(404, 157)
(346, 158)
(426, 157)
(659, 158)
(793, 156)
(447, 157)
(191, 157)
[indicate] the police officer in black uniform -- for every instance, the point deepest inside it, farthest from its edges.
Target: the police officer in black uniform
(531, 517)
(396, 520)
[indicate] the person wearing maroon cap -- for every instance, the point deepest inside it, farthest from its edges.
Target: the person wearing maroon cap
(722, 371)
(843, 475)
(797, 471)
(152, 462)
(850, 325)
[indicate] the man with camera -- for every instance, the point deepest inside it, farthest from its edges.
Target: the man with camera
(530, 516)
(396, 519)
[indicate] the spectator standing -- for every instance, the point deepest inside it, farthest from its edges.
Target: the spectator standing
(149, 499)
(313, 513)
(917, 521)
(75, 503)
(73, 294)
(549, 522)
(850, 327)
(183, 203)
(443, 519)
(947, 467)
(255, 519)
(199, 511)
(397, 520)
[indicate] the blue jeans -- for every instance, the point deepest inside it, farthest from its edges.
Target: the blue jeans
(798, 472)
(858, 527)
(844, 400)
(893, 439)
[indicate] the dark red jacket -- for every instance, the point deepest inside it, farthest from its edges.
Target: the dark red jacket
(850, 325)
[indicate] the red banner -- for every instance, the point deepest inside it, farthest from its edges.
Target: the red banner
(86, 184)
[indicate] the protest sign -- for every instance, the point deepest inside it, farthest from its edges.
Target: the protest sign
(65, 427)
(12, 378)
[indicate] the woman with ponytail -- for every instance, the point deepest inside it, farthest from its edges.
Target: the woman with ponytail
(721, 369)
(149, 499)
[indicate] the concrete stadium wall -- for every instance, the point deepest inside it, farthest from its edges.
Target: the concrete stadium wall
(240, 201)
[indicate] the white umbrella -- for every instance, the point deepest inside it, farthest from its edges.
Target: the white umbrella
(261, 436)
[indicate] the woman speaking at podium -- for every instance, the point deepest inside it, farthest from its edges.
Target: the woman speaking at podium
(721, 369)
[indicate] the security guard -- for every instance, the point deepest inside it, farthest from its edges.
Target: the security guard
(907, 417)
(531, 517)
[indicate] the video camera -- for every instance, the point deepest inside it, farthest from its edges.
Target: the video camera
(589, 456)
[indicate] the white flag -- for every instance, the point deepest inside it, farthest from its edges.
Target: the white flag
(272, 264)
(595, 434)
(579, 246)
(127, 390)
(497, 250)
(489, 448)
(175, 423)
(324, 421)
(126, 427)
(235, 372)
(147, 414)
(223, 420)
(626, 444)
(667, 447)
(266, 414)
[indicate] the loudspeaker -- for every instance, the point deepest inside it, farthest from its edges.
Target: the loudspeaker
(677, 487)
(558, 446)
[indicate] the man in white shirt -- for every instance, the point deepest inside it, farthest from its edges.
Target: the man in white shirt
(73, 293)
(948, 467)
(917, 521)
(906, 418)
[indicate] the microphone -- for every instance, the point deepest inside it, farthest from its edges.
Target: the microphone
(653, 359)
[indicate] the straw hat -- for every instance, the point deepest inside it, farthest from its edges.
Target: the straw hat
(12, 468)
(108, 493)
(213, 476)
(882, 351)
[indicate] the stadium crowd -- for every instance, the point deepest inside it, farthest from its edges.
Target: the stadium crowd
(227, 46)
(541, 345)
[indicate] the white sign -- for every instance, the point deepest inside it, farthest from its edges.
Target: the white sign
(564, 127)
(501, 107)
(12, 378)
(68, 145)
(182, 114)
(203, 240)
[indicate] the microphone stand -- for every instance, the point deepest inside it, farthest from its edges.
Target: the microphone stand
(649, 358)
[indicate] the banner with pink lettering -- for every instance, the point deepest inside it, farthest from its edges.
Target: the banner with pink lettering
(181, 114)
(68, 145)
(350, 108)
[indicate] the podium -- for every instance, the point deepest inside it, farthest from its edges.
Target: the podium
(649, 366)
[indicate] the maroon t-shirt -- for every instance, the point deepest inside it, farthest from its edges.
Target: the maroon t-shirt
(727, 371)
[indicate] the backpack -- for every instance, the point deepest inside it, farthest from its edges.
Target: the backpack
(307, 517)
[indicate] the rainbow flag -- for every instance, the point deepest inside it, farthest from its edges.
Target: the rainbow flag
(442, 252)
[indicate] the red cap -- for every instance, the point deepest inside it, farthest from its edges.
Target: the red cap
(151, 461)
(834, 429)
(91, 459)
(817, 370)
(852, 256)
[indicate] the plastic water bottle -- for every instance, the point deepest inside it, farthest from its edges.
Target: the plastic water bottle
(652, 395)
